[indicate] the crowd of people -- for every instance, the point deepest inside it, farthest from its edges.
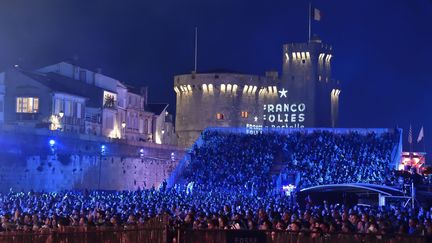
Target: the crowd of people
(232, 178)
(39, 212)
(239, 162)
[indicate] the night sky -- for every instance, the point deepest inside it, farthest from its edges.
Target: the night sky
(382, 49)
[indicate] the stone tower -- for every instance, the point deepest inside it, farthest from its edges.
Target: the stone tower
(304, 96)
(307, 76)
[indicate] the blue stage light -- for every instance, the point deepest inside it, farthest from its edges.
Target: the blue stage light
(103, 148)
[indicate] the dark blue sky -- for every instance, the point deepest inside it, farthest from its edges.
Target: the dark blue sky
(383, 48)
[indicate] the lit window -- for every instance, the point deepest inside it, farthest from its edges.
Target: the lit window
(109, 99)
(245, 88)
(234, 88)
(223, 88)
(319, 77)
(250, 89)
(176, 90)
(244, 114)
(27, 104)
(219, 116)
(229, 87)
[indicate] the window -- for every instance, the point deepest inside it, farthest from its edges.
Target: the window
(109, 100)
(219, 116)
(68, 108)
(27, 104)
(58, 106)
(244, 114)
(83, 75)
(78, 110)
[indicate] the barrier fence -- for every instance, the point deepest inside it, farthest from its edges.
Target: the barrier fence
(177, 235)
(79, 235)
(272, 236)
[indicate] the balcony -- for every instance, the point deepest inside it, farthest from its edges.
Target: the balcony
(27, 116)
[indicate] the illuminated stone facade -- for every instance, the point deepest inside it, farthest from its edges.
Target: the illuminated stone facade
(304, 96)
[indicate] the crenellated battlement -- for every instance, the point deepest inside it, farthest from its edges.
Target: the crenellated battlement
(223, 99)
(224, 84)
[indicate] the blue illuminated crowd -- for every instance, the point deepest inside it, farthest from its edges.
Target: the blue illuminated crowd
(41, 212)
(230, 184)
(245, 161)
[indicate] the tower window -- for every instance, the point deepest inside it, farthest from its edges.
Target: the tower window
(219, 116)
(303, 61)
(244, 114)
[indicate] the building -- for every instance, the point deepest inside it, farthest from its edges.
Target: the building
(68, 98)
(163, 128)
(305, 95)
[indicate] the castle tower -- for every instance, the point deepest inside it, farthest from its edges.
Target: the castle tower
(307, 75)
(305, 95)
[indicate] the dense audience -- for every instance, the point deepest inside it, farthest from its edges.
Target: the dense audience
(230, 184)
(39, 212)
(233, 160)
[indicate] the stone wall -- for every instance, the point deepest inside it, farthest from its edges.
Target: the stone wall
(29, 162)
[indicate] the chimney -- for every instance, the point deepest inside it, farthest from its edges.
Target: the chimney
(144, 93)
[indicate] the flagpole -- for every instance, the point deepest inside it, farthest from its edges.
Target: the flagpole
(424, 142)
(196, 47)
(410, 141)
(309, 18)
(411, 144)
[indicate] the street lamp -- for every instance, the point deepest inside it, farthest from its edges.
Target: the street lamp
(61, 114)
(123, 125)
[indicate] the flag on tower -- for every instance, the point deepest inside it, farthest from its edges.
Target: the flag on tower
(316, 14)
(421, 135)
(410, 135)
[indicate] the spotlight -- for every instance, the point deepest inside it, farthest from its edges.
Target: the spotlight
(103, 149)
(52, 142)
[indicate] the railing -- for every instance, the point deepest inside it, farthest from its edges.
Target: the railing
(275, 236)
(85, 235)
(162, 235)
(363, 131)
